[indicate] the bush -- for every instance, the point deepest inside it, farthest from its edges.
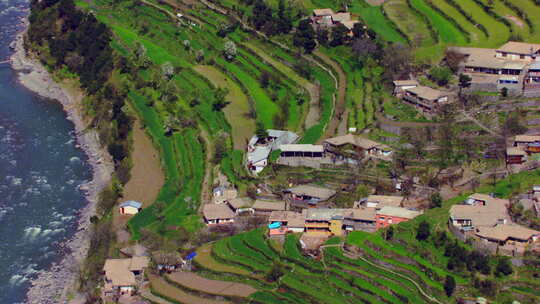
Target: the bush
(449, 285)
(441, 75)
(422, 233)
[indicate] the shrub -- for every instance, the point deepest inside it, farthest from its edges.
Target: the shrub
(441, 75)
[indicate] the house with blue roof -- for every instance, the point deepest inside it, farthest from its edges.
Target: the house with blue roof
(130, 207)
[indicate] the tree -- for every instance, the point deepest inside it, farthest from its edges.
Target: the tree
(423, 232)
(440, 74)
(229, 50)
(277, 270)
(304, 36)
(322, 36)
(396, 60)
(264, 80)
(512, 124)
(449, 285)
(168, 70)
(453, 60)
(389, 233)
(363, 47)
(435, 200)
(339, 35)
(464, 82)
(359, 30)
(260, 131)
(504, 92)
(503, 267)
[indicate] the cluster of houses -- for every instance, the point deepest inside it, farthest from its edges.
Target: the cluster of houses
(485, 219)
(426, 99)
(368, 214)
(337, 150)
(122, 276)
(515, 66)
(315, 216)
(522, 148)
(326, 18)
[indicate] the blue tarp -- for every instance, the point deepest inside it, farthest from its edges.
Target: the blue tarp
(191, 256)
(274, 225)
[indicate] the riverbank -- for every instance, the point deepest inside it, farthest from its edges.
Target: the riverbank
(53, 285)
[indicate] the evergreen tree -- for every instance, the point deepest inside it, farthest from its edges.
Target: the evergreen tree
(449, 285)
(423, 232)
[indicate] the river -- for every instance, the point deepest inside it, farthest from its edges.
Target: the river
(41, 169)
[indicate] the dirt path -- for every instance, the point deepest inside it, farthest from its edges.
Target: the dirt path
(236, 112)
(206, 193)
(339, 106)
(215, 287)
(161, 287)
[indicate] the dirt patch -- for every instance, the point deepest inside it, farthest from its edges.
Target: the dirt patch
(215, 287)
(161, 287)
(146, 174)
(515, 20)
(205, 259)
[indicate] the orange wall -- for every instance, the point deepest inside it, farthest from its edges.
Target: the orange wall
(385, 223)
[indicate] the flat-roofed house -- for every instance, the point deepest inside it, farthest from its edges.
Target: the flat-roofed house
(325, 222)
(289, 220)
(302, 150)
(350, 144)
(529, 143)
(360, 219)
(266, 207)
(325, 17)
(259, 149)
(217, 214)
(513, 50)
(239, 205)
(308, 195)
(426, 98)
(531, 85)
(479, 210)
(511, 239)
(401, 85)
(380, 201)
(390, 215)
(121, 275)
(515, 155)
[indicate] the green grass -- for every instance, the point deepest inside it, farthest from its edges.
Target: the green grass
(447, 32)
(374, 18)
(411, 24)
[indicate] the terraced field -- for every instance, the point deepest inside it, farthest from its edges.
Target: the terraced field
(335, 279)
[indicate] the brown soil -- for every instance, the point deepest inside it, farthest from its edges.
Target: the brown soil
(515, 20)
(215, 287)
(146, 174)
(176, 294)
(375, 2)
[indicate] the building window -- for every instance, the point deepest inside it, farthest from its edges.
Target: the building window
(521, 56)
(503, 54)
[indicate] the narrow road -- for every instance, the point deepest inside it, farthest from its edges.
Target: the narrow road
(206, 196)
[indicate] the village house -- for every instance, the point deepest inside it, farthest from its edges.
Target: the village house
(479, 210)
(515, 155)
(360, 219)
(326, 18)
(380, 201)
(425, 98)
(286, 221)
(130, 207)
(266, 207)
(239, 205)
(351, 145)
(401, 85)
(122, 275)
(528, 143)
(390, 215)
(325, 222)
(217, 214)
(511, 239)
(259, 149)
(222, 194)
(305, 196)
(302, 150)
(515, 66)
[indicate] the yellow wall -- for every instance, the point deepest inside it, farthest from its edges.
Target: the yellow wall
(335, 227)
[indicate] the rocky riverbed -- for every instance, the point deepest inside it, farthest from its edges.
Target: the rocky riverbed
(53, 285)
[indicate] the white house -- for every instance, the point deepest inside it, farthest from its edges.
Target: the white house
(130, 207)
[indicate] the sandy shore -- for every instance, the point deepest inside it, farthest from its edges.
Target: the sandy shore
(52, 286)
